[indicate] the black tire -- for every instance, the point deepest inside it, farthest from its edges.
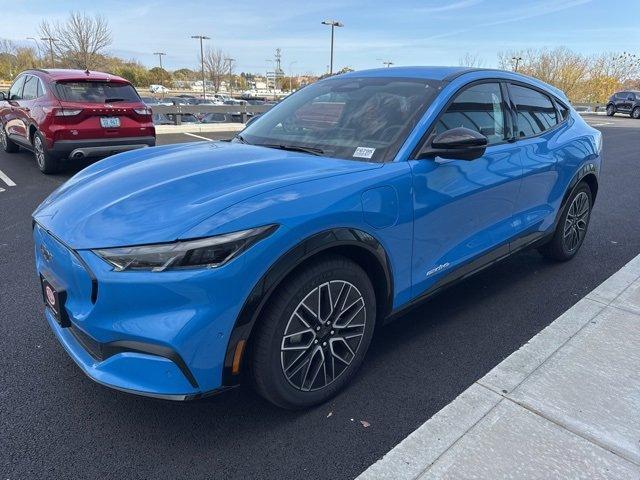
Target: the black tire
(6, 143)
(268, 359)
(611, 110)
(635, 113)
(47, 163)
(564, 244)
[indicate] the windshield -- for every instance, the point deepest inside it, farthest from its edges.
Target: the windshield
(351, 118)
(96, 92)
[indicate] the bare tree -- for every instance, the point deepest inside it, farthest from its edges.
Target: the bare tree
(80, 40)
(216, 66)
(472, 60)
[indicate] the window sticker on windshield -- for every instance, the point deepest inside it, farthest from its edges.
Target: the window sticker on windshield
(364, 152)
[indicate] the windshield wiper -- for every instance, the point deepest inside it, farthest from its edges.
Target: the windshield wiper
(295, 148)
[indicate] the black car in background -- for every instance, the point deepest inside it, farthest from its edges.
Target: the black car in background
(627, 101)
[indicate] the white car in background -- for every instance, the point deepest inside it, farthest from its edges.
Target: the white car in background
(158, 89)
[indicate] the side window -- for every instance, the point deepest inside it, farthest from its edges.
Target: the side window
(30, 88)
(41, 90)
(15, 93)
(536, 112)
(478, 108)
(564, 112)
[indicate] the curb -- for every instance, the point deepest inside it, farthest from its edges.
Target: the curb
(431, 449)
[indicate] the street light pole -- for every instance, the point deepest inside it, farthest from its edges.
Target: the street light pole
(160, 54)
(230, 60)
(50, 40)
(517, 60)
(204, 81)
(333, 24)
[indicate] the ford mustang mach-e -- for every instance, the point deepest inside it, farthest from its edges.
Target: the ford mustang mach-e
(179, 270)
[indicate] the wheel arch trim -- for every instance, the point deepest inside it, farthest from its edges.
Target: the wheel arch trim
(327, 240)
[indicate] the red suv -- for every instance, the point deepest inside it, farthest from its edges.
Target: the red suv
(73, 114)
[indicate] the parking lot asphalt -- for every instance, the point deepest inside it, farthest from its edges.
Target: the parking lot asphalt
(56, 423)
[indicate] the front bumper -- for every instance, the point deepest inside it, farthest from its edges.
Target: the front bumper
(100, 147)
(161, 335)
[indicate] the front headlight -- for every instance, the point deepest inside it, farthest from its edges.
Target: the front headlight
(208, 252)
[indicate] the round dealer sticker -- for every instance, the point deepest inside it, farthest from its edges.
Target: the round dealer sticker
(50, 296)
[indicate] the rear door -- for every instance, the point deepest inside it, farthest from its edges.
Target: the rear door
(101, 109)
(622, 101)
(24, 105)
(463, 209)
(539, 129)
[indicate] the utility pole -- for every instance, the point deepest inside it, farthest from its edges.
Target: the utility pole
(517, 60)
(160, 54)
(204, 80)
(230, 61)
(333, 24)
(50, 40)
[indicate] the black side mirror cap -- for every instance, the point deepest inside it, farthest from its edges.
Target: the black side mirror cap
(457, 144)
(3, 96)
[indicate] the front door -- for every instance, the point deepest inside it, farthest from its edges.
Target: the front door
(463, 209)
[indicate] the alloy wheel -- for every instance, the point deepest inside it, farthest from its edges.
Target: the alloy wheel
(39, 151)
(323, 335)
(610, 110)
(575, 225)
(636, 113)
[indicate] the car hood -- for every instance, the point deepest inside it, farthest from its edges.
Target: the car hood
(153, 195)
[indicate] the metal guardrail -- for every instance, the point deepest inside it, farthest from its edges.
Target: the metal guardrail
(590, 107)
(245, 111)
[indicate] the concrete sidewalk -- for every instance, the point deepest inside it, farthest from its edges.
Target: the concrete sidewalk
(565, 405)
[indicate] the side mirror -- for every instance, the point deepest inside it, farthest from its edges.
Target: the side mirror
(457, 144)
(3, 96)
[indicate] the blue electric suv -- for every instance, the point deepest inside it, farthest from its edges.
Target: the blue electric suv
(179, 270)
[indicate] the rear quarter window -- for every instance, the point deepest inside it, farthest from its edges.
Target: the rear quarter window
(96, 92)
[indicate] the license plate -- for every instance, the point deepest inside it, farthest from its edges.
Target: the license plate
(54, 298)
(109, 122)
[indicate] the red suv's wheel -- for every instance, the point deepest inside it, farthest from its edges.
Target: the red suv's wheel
(6, 143)
(47, 163)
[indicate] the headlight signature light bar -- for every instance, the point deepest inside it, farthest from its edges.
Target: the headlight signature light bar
(210, 252)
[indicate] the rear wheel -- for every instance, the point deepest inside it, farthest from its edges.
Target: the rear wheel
(47, 163)
(572, 226)
(635, 113)
(6, 143)
(313, 337)
(611, 110)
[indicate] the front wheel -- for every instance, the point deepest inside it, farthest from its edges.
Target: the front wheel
(572, 226)
(47, 163)
(611, 110)
(314, 335)
(635, 113)
(6, 143)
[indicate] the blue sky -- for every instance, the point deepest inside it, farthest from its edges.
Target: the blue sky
(425, 32)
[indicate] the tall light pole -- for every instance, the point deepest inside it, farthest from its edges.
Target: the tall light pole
(50, 40)
(517, 60)
(333, 24)
(230, 61)
(291, 74)
(204, 81)
(268, 60)
(160, 54)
